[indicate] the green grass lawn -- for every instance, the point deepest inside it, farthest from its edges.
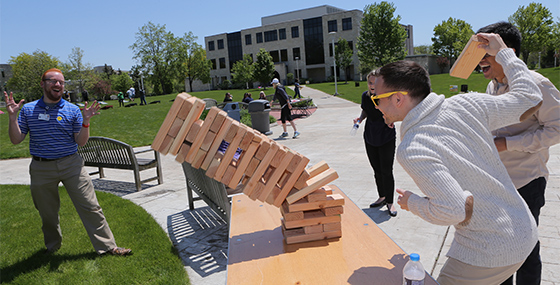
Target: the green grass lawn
(23, 261)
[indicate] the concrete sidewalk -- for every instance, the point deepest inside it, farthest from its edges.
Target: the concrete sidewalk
(201, 237)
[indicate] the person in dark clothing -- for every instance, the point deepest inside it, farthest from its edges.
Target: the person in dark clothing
(228, 97)
(85, 96)
(286, 112)
(380, 141)
(142, 97)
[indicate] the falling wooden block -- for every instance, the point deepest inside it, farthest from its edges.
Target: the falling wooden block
(468, 60)
(226, 179)
(194, 114)
(317, 168)
(317, 195)
(272, 181)
(301, 181)
(244, 161)
(193, 132)
(182, 152)
(168, 121)
(212, 114)
(216, 144)
(175, 127)
(231, 150)
(166, 144)
(314, 183)
(286, 188)
(263, 165)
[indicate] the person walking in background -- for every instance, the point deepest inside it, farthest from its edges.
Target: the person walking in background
(142, 97)
(85, 96)
(297, 88)
(286, 108)
(380, 140)
(447, 149)
(130, 93)
(56, 128)
(120, 96)
(247, 98)
(523, 147)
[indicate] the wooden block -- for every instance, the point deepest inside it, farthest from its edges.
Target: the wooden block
(290, 216)
(244, 161)
(213, 167)
(303, 205)
(226, 179)
(164, 149)
(208, 140)
(193, 132)
(314, 183)
(184, 111)
(217, 142)
(194, 114)
(183, 152)
(317, 195)
(328, 189)
(218, 121)
(198, 159)
(286, 188)
(230, 152)
(250, 170)
(293, 164)
(263, 165)
(202, 134)
(317, 169)
(310, 218)
(302, 180)
(232, 131)
(331, 211)
(247, 139)
(169, 119)
(330, 227)
(273, 180)
(315, 229)
(311, 237)
(256, 190)
(277, 159)
(263, 149)
(468, 59)
(175, 127)
(272, 197)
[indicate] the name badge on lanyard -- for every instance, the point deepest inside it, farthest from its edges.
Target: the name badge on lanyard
(44, 117)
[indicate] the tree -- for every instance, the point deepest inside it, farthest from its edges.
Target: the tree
(423, 49)
(108, 71)
(381, 38)
(78, 72)
(193, 58)
(243, 70)
(101, 89)
(343, 54)
(121, 82)
(156, 49)
(263, 68)
(535, 25)
(450, 37)
(27, 70)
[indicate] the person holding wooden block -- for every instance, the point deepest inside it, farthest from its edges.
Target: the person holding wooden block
(524, 146)
(447, 148)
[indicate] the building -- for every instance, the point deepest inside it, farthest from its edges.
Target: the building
(300, 42)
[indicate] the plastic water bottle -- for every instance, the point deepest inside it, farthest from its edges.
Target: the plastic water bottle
(413, 271)
(354, 129)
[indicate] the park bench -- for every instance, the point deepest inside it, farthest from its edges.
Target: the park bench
(212, 192)
(102, 152)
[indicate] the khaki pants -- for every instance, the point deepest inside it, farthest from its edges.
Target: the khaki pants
(45, 177)
(457, 272)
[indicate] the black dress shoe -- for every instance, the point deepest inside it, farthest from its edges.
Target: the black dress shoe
(377, 204)
(391, 213)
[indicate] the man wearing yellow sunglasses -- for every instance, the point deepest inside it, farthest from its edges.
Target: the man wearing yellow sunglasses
(447, 148)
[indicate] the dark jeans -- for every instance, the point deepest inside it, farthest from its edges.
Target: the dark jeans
(530, 271)
(381, 159)
(297, 95)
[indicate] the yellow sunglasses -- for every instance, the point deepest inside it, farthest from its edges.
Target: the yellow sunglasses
(375, 98)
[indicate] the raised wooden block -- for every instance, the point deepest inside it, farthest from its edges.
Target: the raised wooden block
(193, 132)
(208, 140)
(218, 121)
(184, 111)
(263, 165)
(286, 188)
(303, 205)
(217, 142)
(167, 141)
(301, 182)
(231, 150)
(168, 121)
(314, 183)
(226, 179)
(194, 114)
(468, 59)
(253, 164)
(272, 181)
(175, 127)
(310, 218)
(263, 149)
(244, 161)
(212, 114)
(317, 168)
(183, 152)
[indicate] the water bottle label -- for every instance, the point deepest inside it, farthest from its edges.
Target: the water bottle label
(413, 282)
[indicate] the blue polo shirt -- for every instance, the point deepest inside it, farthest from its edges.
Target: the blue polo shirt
(51, 129)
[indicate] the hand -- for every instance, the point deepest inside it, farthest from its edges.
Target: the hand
(91, 111)
(501, 143)
(11, 106)
(402, 200)
(357, 121)
(493, 43)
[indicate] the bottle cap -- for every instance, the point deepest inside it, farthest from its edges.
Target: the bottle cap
(414, 257)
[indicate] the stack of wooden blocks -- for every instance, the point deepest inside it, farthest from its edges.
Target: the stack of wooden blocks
(233, 153)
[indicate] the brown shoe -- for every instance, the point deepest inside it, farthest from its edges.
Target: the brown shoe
(120, 251)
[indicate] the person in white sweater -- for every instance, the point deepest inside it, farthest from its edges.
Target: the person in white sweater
(448, 149)
(524, 146)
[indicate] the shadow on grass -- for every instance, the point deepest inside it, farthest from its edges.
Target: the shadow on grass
(38, 260)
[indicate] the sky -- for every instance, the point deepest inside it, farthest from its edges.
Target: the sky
(105, 30)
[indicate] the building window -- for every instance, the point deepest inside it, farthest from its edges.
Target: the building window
(248, 40)
(351, 45)
(313, 41)
(332, 26)
(275, 56)
(213, 64)
(220, 44)
(259, 38)
(330, 49)
(283, 55)
(211, 45)
(222, 62)
(347, 24)
(270, 36)
(282, 34)
(295, 32)
(296, 53)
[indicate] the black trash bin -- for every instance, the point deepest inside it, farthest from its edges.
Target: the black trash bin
(356, 84)
(464, 88)
(232, 110)
(260, 112)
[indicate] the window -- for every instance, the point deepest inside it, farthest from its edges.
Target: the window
(213, 64)
(330, 49)
(222, 62)
(332, 26)
(220, 44)
(284, 55)
(313, 41)
(351, 45)
(248, 40)
(275, 56)
(259, 38)
(295, 32)
(296, 53)
(282, 34)
(347, 24)
(270, 36)
(211, 45)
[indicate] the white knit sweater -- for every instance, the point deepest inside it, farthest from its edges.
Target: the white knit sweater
(447, 148)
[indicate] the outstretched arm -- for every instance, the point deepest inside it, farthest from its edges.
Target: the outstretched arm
(83, 136)
(16, 136)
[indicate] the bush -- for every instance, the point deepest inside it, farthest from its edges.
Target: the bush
(224, 85)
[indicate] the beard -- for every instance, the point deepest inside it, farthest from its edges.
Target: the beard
(52, 95)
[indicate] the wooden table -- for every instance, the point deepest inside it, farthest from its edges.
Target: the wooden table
(258, 255)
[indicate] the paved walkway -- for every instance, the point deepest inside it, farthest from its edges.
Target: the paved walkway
(201, 237)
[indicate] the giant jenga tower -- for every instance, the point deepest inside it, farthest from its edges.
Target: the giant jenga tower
(268, 171)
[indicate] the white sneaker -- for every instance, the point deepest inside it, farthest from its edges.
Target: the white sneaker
(296, 134)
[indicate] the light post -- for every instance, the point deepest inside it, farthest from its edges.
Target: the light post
(334, 60)
(297, 67)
